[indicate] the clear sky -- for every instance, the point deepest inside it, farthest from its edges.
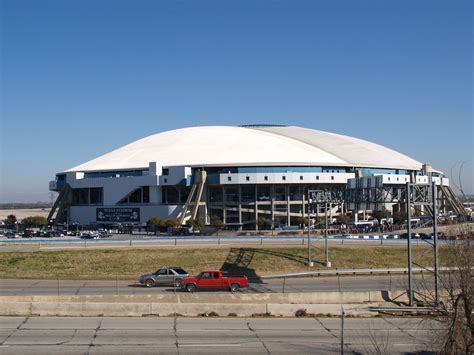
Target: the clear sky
(83, 77)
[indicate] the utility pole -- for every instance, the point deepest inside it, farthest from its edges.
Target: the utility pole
(410, 276)
(327, 263)
(319, 197)
(310, 262)
(435, 241)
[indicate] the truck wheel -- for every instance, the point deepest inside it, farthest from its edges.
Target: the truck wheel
(149, 283)
(234, 287)
(190, 287)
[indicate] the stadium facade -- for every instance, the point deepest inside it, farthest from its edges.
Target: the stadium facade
(237, 174)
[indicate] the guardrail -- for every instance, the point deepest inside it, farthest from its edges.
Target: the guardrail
(369, 271)
(405, 309)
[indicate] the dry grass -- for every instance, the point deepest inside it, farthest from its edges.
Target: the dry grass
(126, 264)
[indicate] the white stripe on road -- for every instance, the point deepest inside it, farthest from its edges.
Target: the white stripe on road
(207, 345)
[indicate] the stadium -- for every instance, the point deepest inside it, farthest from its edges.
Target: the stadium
(239, 175)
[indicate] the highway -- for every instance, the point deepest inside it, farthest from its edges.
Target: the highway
(73, 243)
(14, 287)
(103, 335)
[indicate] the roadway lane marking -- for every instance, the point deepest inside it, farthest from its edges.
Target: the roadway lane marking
(208, 345)
(209, 330)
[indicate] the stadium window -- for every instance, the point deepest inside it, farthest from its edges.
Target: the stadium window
(317, 177)
(135, 196)
(80, 196)
(247, 178)
(265, 178)
(229, 178)
(95, 195)
(146, 194)
(166, 180)
(332, 177)
(301, 178)
(283, 177)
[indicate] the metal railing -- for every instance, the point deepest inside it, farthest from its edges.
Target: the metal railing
(369, 271)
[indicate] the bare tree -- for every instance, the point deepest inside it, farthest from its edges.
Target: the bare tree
(454, 311)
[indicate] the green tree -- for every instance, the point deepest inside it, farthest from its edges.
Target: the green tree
(217, 222)
(194, 224)
(399, 217)
(153, 224)
(34, 221)
(174, 223)
(343, 219)
(264, 223)
(379, 215)
(298, 220)
(11, 219)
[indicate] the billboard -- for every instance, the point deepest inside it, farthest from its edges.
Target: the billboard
(118, 215)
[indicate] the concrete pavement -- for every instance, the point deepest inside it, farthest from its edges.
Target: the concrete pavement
(15, 287)
(102, 335)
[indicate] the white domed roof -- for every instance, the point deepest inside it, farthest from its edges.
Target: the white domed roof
(249, 146)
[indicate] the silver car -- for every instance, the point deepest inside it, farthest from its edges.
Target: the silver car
(167, 276)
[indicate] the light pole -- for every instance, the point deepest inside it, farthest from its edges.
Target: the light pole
(323, 196)
(410, 276)
(310, 262)
(435, 241)
(327, 263)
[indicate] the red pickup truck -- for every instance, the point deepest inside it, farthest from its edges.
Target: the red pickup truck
(214, 280)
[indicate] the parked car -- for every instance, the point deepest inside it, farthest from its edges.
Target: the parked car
(214, 280)
(28, 234)
(405, 236)
(167, 276)
(178, 231)
(89, 236)
(426, 236)
(11, 235)
(104, 234)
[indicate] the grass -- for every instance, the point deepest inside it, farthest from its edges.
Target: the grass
(127, 264)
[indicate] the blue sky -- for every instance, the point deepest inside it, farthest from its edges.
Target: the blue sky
(81, 78)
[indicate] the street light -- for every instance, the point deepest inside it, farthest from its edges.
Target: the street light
(328, 198)
(310, 262)
(327, 263)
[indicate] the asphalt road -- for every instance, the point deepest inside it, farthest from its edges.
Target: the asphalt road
(12, 287)
(196, 242)
(101, 335)
(31, 245)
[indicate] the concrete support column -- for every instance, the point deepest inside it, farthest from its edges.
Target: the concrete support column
(256, 208)
(207, 218)
(301, 191)
(224, 212)
(240, 206)
(272, 206)
(288, 206)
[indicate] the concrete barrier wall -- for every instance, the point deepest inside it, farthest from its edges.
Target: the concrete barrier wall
(241, 305)
(80, 309)
(220, 298)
